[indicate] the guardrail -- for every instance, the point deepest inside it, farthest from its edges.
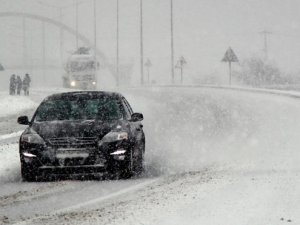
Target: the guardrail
(294, 94)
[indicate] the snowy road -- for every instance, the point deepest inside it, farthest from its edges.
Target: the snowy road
(213, 157)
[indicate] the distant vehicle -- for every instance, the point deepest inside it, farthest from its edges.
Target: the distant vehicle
(81, 133)
(80, 70)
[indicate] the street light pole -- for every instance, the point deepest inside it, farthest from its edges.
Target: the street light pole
(24, 44)
(117, 50)
(44, 51)
(76, 19)
(61, 34)
(95, 37)
(141, 42)
(172, 44)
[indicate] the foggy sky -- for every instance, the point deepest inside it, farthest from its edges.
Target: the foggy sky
(203, 29)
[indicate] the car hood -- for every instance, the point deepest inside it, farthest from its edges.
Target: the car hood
(60, 129)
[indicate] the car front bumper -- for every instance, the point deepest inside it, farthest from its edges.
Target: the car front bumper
(72, 161)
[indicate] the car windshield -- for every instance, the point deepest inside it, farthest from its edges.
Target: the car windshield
(79, 109)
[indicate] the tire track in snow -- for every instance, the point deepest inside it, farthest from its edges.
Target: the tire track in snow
(95, 201)
(171, 188)
(33, 193)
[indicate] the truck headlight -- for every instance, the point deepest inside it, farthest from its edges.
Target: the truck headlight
(94, 83)
(73, 83)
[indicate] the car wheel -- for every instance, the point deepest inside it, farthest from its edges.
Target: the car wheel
(120, 169)
(135, 163)
(139, 162)
(128, 167)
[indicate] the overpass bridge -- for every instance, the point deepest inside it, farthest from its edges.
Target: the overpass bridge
(101, 58)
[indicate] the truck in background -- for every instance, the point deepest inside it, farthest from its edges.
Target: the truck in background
(80, 70)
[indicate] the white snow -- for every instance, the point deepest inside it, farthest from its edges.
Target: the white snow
(11, 135)
(248, 141)
(223, 156)
(11, 105)
(9, 163)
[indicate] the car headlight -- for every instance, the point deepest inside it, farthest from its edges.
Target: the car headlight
(115, 136)
(32, 138)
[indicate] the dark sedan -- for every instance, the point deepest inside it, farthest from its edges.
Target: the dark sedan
(82, 133)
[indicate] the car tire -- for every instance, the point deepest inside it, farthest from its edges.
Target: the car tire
(127, 170)
(120, 170)
(135, 165)
(132, 166)
(139, 162)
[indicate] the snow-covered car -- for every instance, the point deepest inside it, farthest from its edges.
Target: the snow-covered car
(80, 133)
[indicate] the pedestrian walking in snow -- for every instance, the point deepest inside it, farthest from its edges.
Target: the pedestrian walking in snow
(26, 84)
(12, 85)
(19, 85)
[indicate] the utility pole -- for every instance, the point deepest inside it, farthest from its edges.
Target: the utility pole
(172, 44)
(142, 42)
(265, 34)
(117, 50)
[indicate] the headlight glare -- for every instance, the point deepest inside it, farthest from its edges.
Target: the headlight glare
(73, 83)
(29, 155)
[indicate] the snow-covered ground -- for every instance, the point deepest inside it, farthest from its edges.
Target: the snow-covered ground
(11, 105)
(214, 156)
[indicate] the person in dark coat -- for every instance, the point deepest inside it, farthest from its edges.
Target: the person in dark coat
(26, 84)
(12, 84)
(19, 85)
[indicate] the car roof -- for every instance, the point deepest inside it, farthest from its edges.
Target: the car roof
(83, 95)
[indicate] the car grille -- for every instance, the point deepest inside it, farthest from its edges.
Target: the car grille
(73, 141)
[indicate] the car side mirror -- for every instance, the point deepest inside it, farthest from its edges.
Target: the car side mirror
(135, 117)
(23, 120)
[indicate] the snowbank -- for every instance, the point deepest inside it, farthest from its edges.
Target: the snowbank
(11, 135)
(10, 105)
(9, 163)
